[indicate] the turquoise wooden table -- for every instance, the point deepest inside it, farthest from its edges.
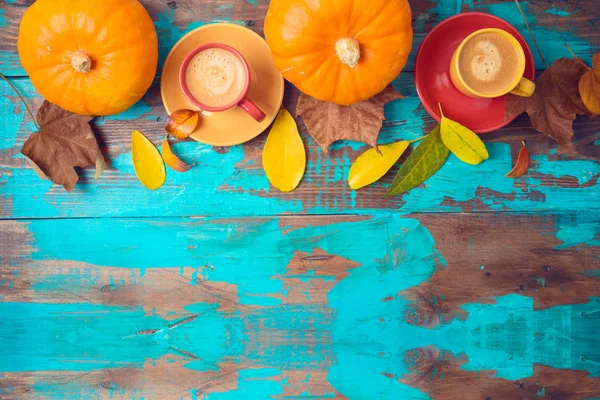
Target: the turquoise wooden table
(217, 286)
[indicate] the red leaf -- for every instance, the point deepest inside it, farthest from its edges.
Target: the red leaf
(522, 164)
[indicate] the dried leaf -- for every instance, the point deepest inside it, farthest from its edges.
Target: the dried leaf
(147, 162)
(556, 101)
(182, 123)
(172, 160)
(589, 86)
(65, 141)
(371, 165)
(462, 142)
(522, 164)
(284, 156)
(329, 122)
(422, 163)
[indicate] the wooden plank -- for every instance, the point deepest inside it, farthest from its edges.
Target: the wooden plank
(494, 305)
(230, 181)
(576, 23)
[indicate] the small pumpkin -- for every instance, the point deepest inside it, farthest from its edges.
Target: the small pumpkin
(88, 56)
(339, 51)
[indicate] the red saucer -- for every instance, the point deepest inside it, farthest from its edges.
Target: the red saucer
(432, 77)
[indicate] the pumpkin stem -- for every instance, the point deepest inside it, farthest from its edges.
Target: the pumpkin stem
(348, 51)
(81, 62)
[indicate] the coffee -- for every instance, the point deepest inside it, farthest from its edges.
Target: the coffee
(489, 63)
(216, 77)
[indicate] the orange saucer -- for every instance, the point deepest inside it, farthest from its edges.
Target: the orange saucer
(234, 126)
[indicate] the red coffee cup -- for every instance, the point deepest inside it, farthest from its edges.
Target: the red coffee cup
(241, 101)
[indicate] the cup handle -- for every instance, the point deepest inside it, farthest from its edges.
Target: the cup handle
(252, 109)
(525, 88)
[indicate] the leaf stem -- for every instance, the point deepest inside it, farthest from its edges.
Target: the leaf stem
(417, 139)
(531, 33)
(575, 57)
(441, 112)
(22, 100)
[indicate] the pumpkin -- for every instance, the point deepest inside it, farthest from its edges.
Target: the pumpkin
(92, 57)
(340, 51)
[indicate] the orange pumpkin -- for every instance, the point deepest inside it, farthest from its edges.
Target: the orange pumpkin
(341, 51)
(93, 57)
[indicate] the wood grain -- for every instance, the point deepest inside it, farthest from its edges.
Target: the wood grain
(231, 180)
(301, 306)
(174, 18)
(444, 379)
(217, 286)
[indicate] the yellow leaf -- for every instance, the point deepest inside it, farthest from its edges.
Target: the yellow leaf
(172, 160)
(462, 142)
(370, 166)
(147, 162)
(589, 86)
(284, 157)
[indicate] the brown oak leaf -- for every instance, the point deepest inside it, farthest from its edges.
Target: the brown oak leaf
(556, 101)
(329, 122)
(64, 141)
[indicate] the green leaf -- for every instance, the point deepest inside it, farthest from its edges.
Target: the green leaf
(423, 162)
(462, 142)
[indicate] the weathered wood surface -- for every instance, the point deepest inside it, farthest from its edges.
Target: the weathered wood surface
(487, 289)
(574, 22)
(231, 181)
(387, 307)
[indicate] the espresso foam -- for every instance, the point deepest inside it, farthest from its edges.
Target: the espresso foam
(215, 77)
(488, 63)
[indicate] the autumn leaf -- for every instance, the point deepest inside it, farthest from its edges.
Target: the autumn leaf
(284, 156)
(147, 161)
(422, 163)
(182, 123)
(522, 164)
(462, 142)
(172, 160)
(372, 165)
(589, 86)
(64, 141)
(329, 122)
(556, 101)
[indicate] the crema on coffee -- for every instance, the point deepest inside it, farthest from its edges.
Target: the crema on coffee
(489, 63)
(215, 77)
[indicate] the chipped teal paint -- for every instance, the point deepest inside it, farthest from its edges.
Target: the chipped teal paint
(169, 33)
(222, 184)
(579, 230)
(14, 114)
(558, 12)
(214, 251)
(37, 337)
(582, 170)
(486, 175)
(138, 110)
(216, 170)
(363, 336)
